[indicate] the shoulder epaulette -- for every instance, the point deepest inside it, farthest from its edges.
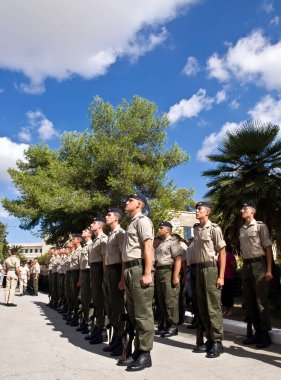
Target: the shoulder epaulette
(259, 222)
(141, 216)
(196, 224)
(215, 225)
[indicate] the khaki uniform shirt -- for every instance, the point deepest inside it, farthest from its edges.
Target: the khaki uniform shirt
(139, 230)
(11, 263)
(208, 241)
(67, 263)
(75, 258)
(62, 268)
(24, 270)
(35, 268)
(59, 264)
(191, 254)
(50, 266)
(113, 253)
(167, 251)
(98, 248)
(55, 263)
(254, 238)
(84, 259)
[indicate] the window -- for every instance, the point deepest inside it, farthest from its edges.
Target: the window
(36, 250)
(31, 250)
(26, 251)
(40, 250)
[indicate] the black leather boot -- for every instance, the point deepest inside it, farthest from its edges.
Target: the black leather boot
(264, 340)
(216, 350)
(143, 361)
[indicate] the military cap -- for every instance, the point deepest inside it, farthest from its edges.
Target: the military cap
(177, 236)
(166, 224)
(116, 210)
(205, 204)
(76, 236)
(14, 249)
(99, 219)
(249, 204)
(139, 196)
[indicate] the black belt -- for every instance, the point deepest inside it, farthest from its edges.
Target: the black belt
(193, 265)
(96, 264)
(134, 263)
(85, 270)
(208, 264)
(74, 270)
(254, 260)
(116, 265)
(164, 267)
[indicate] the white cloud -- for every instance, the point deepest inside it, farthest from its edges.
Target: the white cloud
(37, 122)
(60, 38)
(191, 67)
(234, 105)
(267, 6)
(253, 59)
(267, 110)
(188, 108)
(212, 142)
(275, 21)
(3, 213)
(10, 152)
(221, 97)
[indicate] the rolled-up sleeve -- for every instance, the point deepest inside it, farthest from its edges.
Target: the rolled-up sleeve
(264, 236)
(218, 239)
(145, 229)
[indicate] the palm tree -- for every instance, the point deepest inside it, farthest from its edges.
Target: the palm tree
(248, 169)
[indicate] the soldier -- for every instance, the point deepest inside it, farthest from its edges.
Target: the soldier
(208, 242)
(55, 294)
(62, 278)
(138, 258)
(11, 266)
(84, 280)
(113, 282)
(77, 241)
(96, 257)
(257, 272)
(35, 271)
(50, 266)
(66, 308)
(24, 271)
(168, 266)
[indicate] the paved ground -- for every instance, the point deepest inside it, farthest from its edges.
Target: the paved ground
(36, 344)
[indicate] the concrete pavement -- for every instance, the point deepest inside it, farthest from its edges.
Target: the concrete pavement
(36, 344)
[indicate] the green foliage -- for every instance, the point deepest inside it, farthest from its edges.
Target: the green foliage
(44, 259)
(124, 150)
(4, 247)
(248, 169)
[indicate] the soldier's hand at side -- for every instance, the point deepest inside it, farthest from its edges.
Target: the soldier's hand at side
(175, 281)
(121, 285)
(220, 283)
(146, 279)
(268, 276)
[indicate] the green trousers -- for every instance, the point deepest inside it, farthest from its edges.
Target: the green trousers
(255, 291)
(50, 282)
(67, 290)
(55, 294)
(114, 299)
(96, 273)
(168, 296)
(139, 307)
(85, 293)
(62, 287)
(74, 291)
(209, 302)
(35, 284)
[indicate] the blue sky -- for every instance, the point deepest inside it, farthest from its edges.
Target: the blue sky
(208, 64)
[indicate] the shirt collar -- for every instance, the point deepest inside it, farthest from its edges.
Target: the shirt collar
(253, 223)
(138, 214)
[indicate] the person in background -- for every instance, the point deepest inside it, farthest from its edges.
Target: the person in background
(35, 271)
(229, 275)
(11, 267)
(25, 273)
